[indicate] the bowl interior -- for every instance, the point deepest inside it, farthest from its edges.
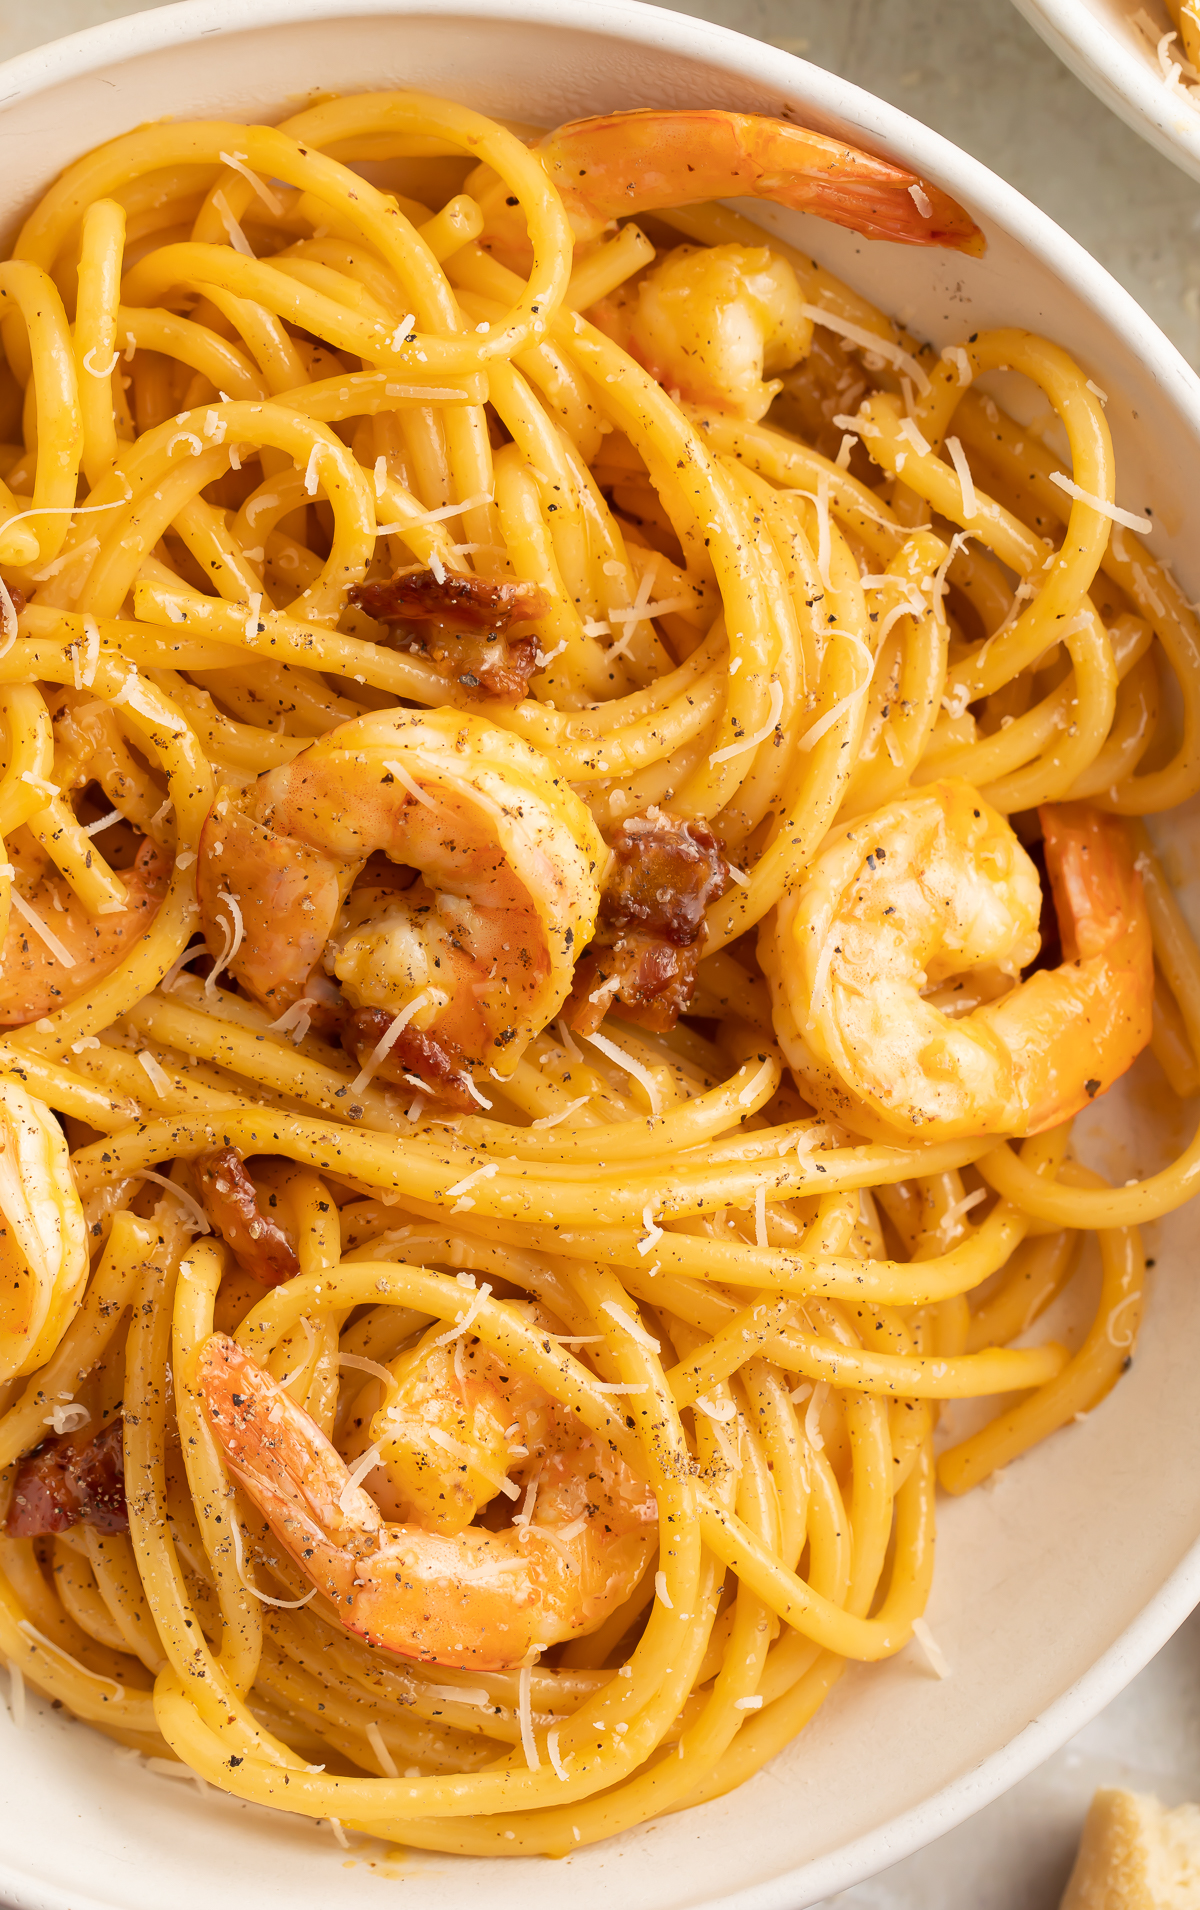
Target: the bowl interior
(1038, 1578)
(1111, 45)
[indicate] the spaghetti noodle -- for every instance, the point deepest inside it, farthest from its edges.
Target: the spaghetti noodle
(536, 725)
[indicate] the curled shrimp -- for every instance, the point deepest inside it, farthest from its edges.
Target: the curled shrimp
(42, 972)
(713, 323)
(43, 1238)
(483, 889)
(929, 910)
(619, 164)
(442, 1590)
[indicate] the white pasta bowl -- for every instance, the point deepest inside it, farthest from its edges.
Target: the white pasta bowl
(1054, 1588)
(1112, 46)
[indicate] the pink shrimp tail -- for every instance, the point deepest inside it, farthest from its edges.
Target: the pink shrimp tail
(1108, 955)
(623, 163)
(35, 982)
(281, 1456)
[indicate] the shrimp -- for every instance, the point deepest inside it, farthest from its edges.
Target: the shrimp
(932, 904)
(619, 164)
(43, 1238)
(40, 972)
(476, 954)
(709, 321)
(442, 1590)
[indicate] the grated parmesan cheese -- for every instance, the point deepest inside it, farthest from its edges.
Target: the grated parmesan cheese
(387, 1042)
(48, 1644)
(233, 941)
(265, 1598)
(760, 1217)
(525, 1712)
(361, 1364)
(884, 348)
(812, 1418)
(386, 1760)
(921, 201)
(464, 1320)
(958, 459)
(564, 1114)
(721, 1411)
(630, 1066)
(911, 433)
(419, 518)
(759, 736)
(58, 949)
(556, 1763)
(414, 788)
(938, 1661)
(108, 369)
(630, 1325)
(237, 163)
(1113, 511)
(956, 355)
(158, 1077)
(195, 1213)
(91, 653)
(237, 237)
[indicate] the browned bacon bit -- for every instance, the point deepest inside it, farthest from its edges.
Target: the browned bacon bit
(413, 1059)
(457, 596)
(664, 873)
(471, 644)
(69, 1480)
(16, 596)
(258, 1243)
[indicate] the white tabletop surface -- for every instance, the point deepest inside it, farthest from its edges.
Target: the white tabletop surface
(978, 74)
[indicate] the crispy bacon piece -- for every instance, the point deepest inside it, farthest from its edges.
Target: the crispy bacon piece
(69, 1480)
(664, 873)
(435, 1063)
(16, 595)
(471, 645)
(258, 1243)
(458, 597)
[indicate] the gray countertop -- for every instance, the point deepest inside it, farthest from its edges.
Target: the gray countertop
(979, 75)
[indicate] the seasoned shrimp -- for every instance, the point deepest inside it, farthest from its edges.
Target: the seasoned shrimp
(930, 905)
(43, 1239)
(619, 164)
(39, 973)
(476, 954)
(442, 1590)
(713, 323)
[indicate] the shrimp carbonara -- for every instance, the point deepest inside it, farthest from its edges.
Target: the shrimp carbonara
(571, 826)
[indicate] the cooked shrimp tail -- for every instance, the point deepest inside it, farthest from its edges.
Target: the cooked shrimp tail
(899, 964)
(37, 975)
(1099, 1002)
(619, 164)
(466, 1597)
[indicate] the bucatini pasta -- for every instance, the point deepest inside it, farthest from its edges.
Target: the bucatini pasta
(571, 806)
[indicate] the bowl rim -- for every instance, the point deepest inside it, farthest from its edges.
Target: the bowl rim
(893, 132)
(1130, 88)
